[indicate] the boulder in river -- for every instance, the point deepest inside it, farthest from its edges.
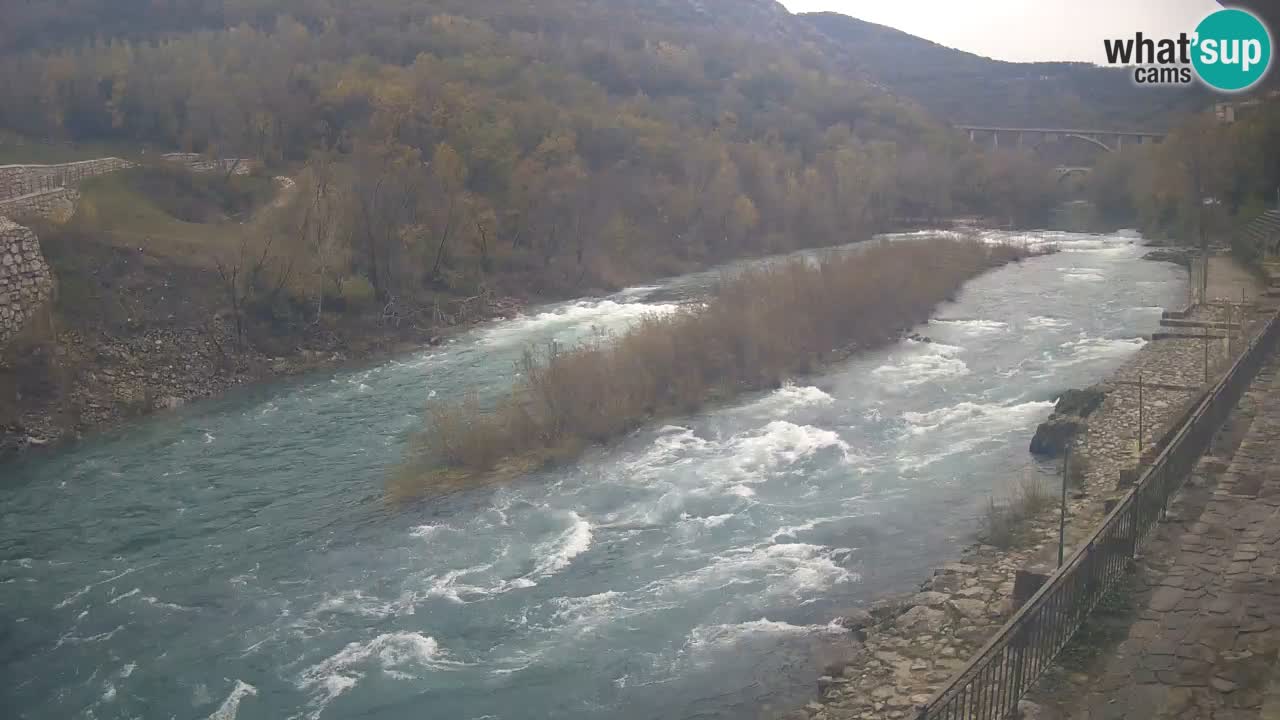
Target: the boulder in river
(855, 619)
(1080, 403)
(1073, 406)
(1179, 256)
(1053, 435)
(922, 619)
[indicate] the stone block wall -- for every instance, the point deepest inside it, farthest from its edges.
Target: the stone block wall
(197, 163)
(20, 180)
(56, 203)
(25, 280)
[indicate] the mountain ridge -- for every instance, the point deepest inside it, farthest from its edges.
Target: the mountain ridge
(960, 87)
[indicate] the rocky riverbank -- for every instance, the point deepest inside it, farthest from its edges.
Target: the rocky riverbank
(899, 652)
(93, 379)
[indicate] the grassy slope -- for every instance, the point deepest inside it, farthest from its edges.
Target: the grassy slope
(120, 213)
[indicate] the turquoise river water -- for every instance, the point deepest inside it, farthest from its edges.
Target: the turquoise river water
(238, 558)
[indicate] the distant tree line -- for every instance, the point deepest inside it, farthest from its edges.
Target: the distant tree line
(1206, 175)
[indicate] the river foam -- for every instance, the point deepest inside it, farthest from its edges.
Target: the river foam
(989, 414)
(393, 653)
(920, 363)
(231, 706)
(555, 555)
(974, 326)
(579, 316)
(728, 635)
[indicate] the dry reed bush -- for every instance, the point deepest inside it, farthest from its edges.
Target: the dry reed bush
(1004, 524)
(759, 328)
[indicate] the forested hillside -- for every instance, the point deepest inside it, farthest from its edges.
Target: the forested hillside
(552, 146)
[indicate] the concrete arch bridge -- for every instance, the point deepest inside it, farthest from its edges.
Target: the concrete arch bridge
(1106, 140)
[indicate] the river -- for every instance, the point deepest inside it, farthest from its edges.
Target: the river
(238, 558)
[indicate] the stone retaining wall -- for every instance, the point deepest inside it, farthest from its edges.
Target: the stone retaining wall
(20, 180)
(25, 280)
(197, 163)
(59, 202)
(49, 191)
(42, 190)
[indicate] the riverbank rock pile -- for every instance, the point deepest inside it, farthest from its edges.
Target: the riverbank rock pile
(1068, 418)
(109, 377)
(1176, 255)
(903, 650)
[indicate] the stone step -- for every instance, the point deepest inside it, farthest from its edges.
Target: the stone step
(1187, 336)
(1211, 324)
(1265, 229)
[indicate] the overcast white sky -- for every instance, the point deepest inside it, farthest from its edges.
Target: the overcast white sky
(1024, 30)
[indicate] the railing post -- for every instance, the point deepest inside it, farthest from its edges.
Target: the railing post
(1062, 508)
(1140, 418)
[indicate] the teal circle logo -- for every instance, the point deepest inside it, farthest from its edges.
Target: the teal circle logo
(1232, 50)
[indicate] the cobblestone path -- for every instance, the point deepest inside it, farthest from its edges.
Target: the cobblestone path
(1206, 644)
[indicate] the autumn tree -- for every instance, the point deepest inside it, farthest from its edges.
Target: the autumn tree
(386, 195)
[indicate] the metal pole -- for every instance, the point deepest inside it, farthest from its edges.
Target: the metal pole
(1204, 242)
(1140, 418)
(1231, 339)
(1206, 353)
(1062, 509)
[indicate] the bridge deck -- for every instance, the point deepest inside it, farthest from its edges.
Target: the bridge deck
(1063, 131)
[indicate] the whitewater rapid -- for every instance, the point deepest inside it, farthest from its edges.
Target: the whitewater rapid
(239, 559)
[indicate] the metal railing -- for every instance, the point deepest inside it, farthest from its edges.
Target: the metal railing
(991, 684)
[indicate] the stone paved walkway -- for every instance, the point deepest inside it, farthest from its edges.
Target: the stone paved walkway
(1205, 646)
